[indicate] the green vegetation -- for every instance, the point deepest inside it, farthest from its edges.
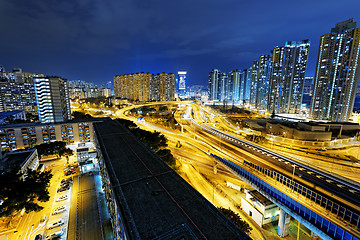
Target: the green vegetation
(155, 141)
(54, 148)
(167, 157)
(18, 193)
(80, 115)
(236, 219)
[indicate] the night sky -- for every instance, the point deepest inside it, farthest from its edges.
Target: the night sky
(93, 40)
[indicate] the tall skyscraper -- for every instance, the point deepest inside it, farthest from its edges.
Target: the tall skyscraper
(287, 77)
(263, 79)
(337, 73)
(52, 98)
(254, 82)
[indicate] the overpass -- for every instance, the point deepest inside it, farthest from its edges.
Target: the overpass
(329, 206)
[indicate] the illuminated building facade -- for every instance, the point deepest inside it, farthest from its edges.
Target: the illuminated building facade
(163, 87)
(307, 92)
(220, 86)
(52, 98)
(214, 85)
(235, 80)
(263, 80)
(287, 77)
(254, 82)
(17, 96)
(20, 136)
(245, 86)
(181, 82)
(145, 87)
(17, 91)
(337, 73)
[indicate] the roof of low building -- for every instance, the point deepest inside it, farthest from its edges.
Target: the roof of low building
(14, 160)
(9, 113)
(260, 198)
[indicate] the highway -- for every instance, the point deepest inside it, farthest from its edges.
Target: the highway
(336, 188)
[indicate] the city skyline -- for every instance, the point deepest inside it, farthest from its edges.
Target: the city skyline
(91, 42)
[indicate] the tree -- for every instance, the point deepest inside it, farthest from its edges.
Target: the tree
(80, 115)
(167, 157)
(127, 123)
(66, 152)
(20, 193)
(52, 148)
(236, 219)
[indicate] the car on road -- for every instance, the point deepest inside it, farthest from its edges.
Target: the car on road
(43, 219)
(55, 224)
(62, 189)
(66, 180)
(68, 173)
(59, 210)
(55, 235)
(62, 198)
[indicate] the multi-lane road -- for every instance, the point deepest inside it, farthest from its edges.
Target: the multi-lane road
(206, 137)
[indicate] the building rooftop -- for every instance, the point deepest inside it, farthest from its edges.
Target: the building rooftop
(14, 160)
(155, 201)
(260, 198)
(9, 113)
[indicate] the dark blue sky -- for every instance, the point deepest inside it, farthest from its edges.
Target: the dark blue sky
(93, 40)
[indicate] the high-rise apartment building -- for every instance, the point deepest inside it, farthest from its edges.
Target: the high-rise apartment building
(234, 78)
(213, 88)
(145, 86)
(232, 87)
(263, 80)
(287, 77)
(254, 82)
(221, 86)
(163, 88)
(337, 73)
(52, 98)
(246, 85)
(307, 92)
(17, 91)
(17, 96)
